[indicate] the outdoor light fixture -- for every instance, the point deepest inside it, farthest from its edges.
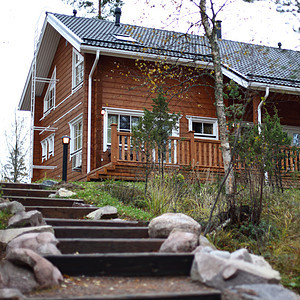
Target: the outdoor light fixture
(103, 112)
(66, 141)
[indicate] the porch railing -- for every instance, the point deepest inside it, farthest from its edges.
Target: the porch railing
(183, 151)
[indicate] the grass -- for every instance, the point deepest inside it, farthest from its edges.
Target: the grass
(4, 217)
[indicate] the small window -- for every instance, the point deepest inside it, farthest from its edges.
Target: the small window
(44, 150)
(76, 135)
(125, 38)
(77, 69)
(205, 128)
(51, 145)
(47, 147)
(49, 100)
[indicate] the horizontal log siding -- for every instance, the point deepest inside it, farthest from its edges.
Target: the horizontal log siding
(63, 63)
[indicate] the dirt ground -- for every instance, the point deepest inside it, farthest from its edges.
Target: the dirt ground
(102, 286)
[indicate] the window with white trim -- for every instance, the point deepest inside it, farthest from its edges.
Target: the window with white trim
(49, 99)
(77, 69)
(47, 145)
(204, 128)
(294, 133)
(76, 135)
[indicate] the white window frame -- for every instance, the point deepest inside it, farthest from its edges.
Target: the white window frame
(75, 65)
(50, 94)
(213, 121)
(72, 125)
(291, 130)
(47, 145)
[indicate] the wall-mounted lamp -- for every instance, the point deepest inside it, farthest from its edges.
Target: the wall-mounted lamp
(103, 112)
(66, 141)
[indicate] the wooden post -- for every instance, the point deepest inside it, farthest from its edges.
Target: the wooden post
(192, 148)
(114, 143)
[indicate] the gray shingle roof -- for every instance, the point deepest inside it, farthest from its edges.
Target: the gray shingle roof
(252, 62)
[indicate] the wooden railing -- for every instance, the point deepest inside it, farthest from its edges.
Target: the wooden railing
(291, 160)
(183, 151)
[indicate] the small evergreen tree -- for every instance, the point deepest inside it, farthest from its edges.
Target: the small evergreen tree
(15, 169)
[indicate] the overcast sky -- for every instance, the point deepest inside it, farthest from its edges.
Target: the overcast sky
(20, 20)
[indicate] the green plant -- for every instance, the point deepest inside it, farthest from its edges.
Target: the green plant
(4, 217)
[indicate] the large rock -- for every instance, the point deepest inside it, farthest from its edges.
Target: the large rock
(12, 294)
(179, 242)
(9, 234)
(62, 192)
(26, 219)
(12, 207)
(42, 243)
(160, 227)
(17, 277)
(45, 273)
(105, 212)
(258, 292)
(219, 272)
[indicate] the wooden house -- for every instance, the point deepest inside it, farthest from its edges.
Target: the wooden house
(87, 75)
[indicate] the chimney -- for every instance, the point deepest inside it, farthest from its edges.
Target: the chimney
(74, 12)
(219, 29)
(279, 45)
(118, 16)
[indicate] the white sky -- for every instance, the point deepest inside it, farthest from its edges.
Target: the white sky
(258, 23)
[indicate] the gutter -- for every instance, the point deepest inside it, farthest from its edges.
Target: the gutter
(89, 138)
(259, 108)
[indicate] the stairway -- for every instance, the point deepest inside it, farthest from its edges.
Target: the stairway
(105, 247)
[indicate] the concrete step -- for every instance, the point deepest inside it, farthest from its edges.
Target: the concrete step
(100, 232)
(40, 201)
(108, 245)
(124, 264)
(98, 223)
(62, 212)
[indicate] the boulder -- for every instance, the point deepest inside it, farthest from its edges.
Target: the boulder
(62, 192)
(9, 234)
(203, 249)
(260, 261)
(258, 292)
(45, 273)
(203, 241)
(160, 227)
(241, 254)
(42, 243)
(12, 294)
(219, 272)
(179, 242)
(105, 212)
(26, 219)
(12, 207)
(17, 277)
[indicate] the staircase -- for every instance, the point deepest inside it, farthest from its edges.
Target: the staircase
(105, 247)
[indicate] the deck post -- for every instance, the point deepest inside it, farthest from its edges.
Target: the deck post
(192, 148)
(114, 143)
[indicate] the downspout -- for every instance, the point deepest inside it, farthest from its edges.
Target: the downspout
(89, 137)
(259, 108)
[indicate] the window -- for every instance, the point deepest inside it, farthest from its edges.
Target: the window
(47, 147)
(49, 100)
(77, 69)
(76, 135)
(294, 133)
(205, 128)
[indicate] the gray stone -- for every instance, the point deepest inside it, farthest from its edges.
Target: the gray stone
(17, 277)
(179, 242)
(221, 273)
(45, 273)
(259, 292)
(62, 192)
(160, 227)
(260, 261)
(241, 254)
(203, 249)
(12, 207)
(12, 294)
(105, 212)
(42, 243)
(26, 219)
(220, 253)
(203, 241)
(49, 183)
(9, 234)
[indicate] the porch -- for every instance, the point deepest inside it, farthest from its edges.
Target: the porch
(184, 154)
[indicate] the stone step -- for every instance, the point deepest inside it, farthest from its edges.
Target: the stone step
(40, 201)
(62, 212)
(98, 223)
(100, 232)
(26, 192)
(204, 295)
(108, 245)
(124, 264)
